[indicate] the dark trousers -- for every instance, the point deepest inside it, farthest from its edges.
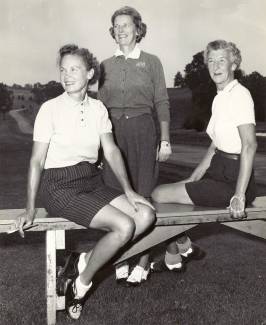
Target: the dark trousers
(136, 138)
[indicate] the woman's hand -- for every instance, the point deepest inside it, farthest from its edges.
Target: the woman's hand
(24, 220)
(135, 198)
(165, 151)
(237, 207)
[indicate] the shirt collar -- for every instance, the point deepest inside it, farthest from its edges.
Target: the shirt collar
(71, 102)
(135, 54)
(229, 87)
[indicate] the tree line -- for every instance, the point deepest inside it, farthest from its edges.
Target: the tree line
(196, 77)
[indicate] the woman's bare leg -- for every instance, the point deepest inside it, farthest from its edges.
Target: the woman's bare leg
(120, 229)
(171, 193)
(123, 224)
(144, 218)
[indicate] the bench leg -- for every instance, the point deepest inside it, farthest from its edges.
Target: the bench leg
(158, 235)
(253, 227)
(55, 239)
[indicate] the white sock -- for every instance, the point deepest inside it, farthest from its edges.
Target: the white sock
(136, 274)
(81, 289)
(189, 251)
(82, 262)
(173, 261)
(122, 270)
(174, 266)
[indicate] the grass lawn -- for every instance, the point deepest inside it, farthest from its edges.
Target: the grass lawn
(226, 288)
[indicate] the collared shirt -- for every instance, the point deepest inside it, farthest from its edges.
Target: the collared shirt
(134, 85)
(72, 130)
(231, 107)
(135, 54)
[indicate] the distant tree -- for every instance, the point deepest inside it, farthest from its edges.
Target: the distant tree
(202, 97)
(256, 84)
(45, 92)
(28, 86)
(53, 89)
(37, 85)
(17, 86)
(5, 100)
(179, 80)
(203, 90)
(196, 72)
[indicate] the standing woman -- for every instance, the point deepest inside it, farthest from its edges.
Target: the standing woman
(68, 132)
(132, 86)
(224, 177)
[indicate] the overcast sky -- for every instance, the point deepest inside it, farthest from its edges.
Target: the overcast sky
(31, 32)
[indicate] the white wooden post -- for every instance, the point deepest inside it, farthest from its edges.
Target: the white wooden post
(60, 244)
(51, 276)
(55, 239)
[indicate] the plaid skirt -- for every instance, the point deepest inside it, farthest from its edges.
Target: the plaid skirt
(76, 192)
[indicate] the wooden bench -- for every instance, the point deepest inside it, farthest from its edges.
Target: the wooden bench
(172, 219)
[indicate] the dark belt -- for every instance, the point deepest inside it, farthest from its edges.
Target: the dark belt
(227, 155)
(127, 112)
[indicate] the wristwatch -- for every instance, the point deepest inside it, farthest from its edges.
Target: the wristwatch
(165, 143)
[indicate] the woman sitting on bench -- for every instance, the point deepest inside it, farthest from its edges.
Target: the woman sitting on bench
(68, 132)
(224, 177)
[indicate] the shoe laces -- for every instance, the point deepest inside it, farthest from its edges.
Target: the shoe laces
(76, 306)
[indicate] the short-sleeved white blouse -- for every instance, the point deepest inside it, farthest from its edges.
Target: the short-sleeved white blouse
(72, 130)
(231, 107)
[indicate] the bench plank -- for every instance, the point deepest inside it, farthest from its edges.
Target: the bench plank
(254, 227)
(167, 214)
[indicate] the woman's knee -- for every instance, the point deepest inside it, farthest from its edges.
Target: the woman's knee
(125, 229)
(157, 194)
(147, 216)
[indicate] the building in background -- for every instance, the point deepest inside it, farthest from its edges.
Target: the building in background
(22, 98)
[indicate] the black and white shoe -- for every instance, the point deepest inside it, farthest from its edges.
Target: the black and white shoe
(160, 266)
(121, 273)
(194, 253)
(138, 275)
(74, 306)
(67, 273)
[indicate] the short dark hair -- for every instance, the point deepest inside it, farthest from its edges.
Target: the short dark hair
(224, 45)
(137, 20)
(90, 61)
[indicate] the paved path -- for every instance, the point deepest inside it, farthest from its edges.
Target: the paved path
(23, 123)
